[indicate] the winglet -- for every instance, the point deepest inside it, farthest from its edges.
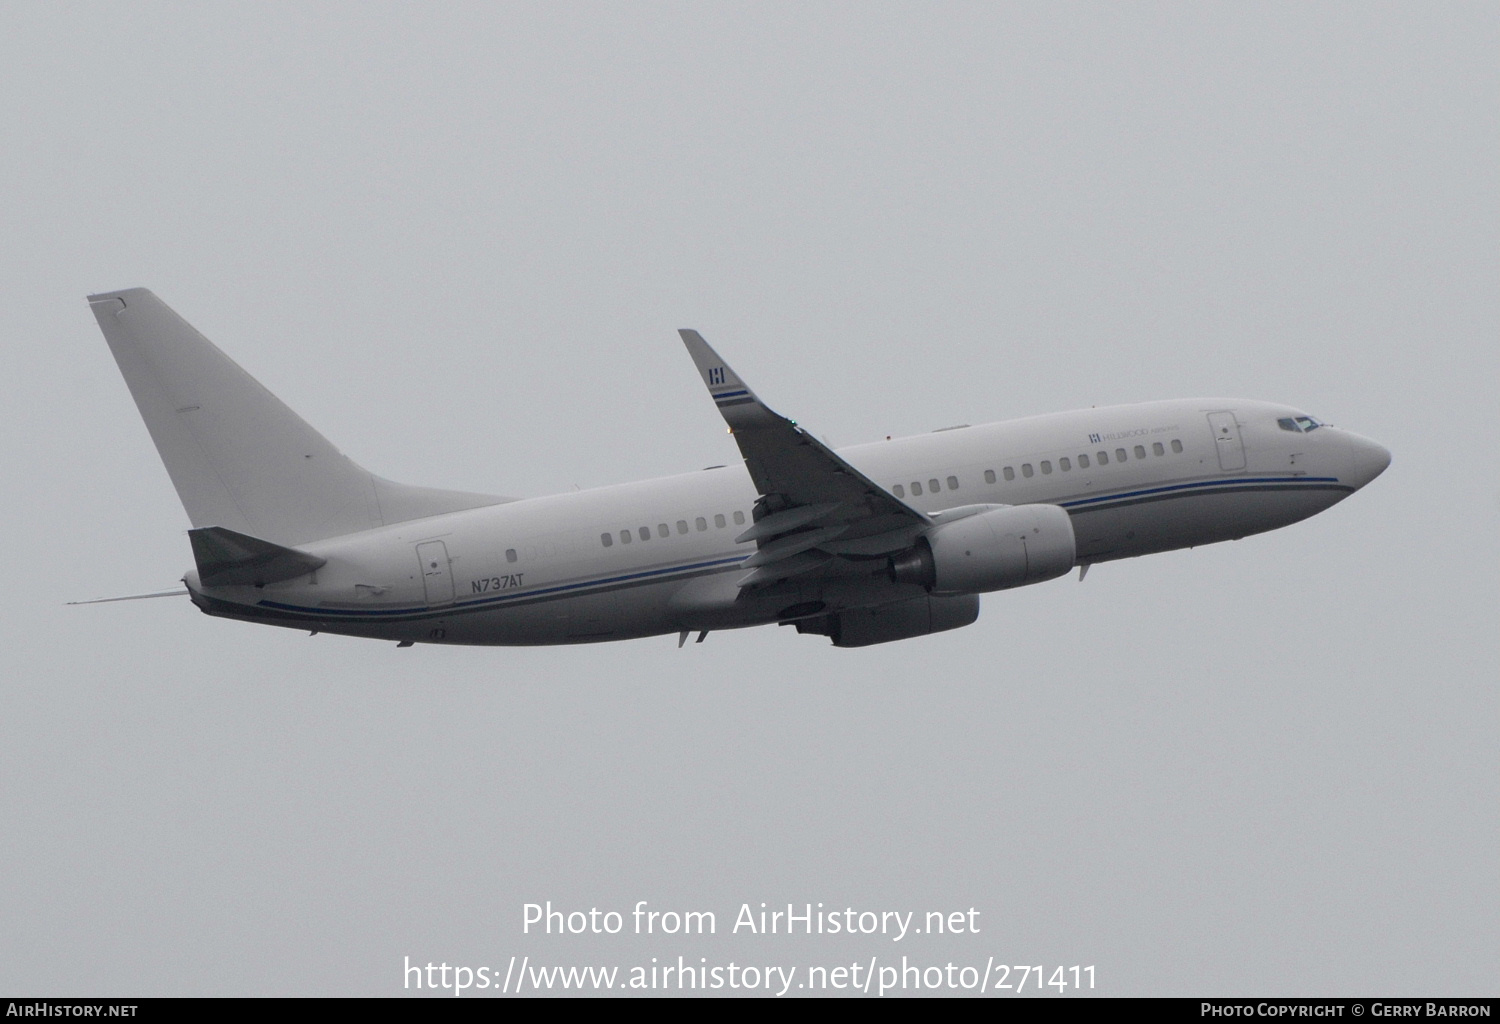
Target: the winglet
(737, 403)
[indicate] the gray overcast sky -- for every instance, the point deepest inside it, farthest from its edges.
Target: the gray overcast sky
(458, 239)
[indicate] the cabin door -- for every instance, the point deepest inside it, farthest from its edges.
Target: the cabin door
(437, 575)
(1227, 440)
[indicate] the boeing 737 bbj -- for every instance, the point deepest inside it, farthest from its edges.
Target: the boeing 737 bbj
(869, 544)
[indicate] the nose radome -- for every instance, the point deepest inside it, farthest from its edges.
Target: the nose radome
(1370, 459)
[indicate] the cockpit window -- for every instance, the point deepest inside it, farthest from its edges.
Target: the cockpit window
(1300, 424)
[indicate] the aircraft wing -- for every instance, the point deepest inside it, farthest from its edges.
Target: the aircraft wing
(813, 505)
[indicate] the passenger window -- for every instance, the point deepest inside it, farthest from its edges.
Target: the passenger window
(989, 476)
(1026, 469)
(1120, 455)
(1083, 462)
(606, 539)
(702, 524)
(510, 554)
(682, 526)
(1103, 458)
(663, 530)
(1140, 451)
(1010, 474)
(916, 489)
(1046, 467)
(625, 537)
(739, 519)
(899, 491)
(719, 520)
(1157, 449)
(1063, 464)
(1176, 445)
(932, 485)
(645, 532)
(953, 483)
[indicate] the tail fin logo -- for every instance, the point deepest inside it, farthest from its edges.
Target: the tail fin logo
(716, 375)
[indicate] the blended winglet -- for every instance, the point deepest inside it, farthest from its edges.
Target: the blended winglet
(737, 403)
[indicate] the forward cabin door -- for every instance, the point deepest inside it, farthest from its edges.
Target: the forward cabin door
(437, 575)
(1227, 440)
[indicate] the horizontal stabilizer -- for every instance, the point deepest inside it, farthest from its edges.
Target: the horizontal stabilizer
(229, 559)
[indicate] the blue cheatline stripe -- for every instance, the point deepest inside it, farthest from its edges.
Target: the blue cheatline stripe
(508, 596)
(1284, 481)
(719, 396)
(1202, 486)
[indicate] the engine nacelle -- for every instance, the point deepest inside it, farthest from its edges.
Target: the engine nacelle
(992, 550)
(917, 616)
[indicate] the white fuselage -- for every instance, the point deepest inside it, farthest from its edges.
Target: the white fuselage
(1135, 479)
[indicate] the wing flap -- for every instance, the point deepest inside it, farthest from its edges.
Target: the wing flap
(792, 544)
(793, 565)
(784, 522)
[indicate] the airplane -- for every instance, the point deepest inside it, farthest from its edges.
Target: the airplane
(866, 545)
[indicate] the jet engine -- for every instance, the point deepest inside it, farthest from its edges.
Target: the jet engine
(994, 548)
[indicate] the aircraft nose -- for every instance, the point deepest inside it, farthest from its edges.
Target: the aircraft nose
(1369, 459)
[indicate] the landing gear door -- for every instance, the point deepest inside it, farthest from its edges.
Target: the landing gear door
(1227, 440)
(437, 575)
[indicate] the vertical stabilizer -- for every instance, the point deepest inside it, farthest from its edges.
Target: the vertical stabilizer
(238, 456)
